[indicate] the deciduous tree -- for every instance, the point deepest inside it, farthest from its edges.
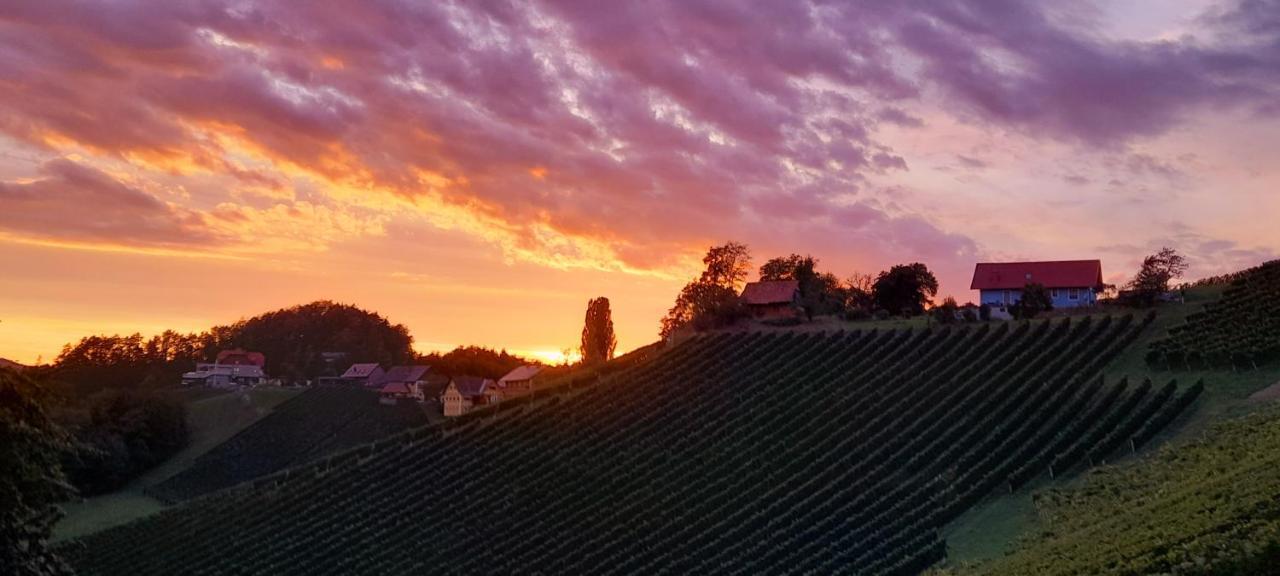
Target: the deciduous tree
(1035, 300)
(711, 300)
(31, 481)
(905, 289)
(1157, 272)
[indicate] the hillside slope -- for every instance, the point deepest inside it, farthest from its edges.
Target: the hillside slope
(316, 423)
(733, 453)
(1209, 507)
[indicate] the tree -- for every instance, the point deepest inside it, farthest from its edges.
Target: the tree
(712, 300)
(1035, 299)
(598, 340)
(31, 481)
(947, 312)
(859, 291)
(474, 361)
(905, 289)
(727, 265)
(1157, 272)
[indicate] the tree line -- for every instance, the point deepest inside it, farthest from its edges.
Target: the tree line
(712, 299)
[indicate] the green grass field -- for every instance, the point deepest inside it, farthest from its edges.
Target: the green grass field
(213, 418)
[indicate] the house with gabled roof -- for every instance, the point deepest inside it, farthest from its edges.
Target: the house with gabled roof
(368, 375)
(1071, 283)
(772, 299)
(404, 382)
(519, 381)
(465, 393)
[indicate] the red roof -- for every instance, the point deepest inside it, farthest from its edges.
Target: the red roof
(1015, 275)
(396, 388)
(770, 292)
(239, 357)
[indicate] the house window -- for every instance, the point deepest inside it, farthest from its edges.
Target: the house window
(1073, 294)
(1056, 293)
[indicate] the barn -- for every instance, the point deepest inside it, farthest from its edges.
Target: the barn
(772, 299)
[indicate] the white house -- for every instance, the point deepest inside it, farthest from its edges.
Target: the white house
(465, 393)
(1071, 283)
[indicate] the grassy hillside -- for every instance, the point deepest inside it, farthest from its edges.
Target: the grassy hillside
(315, 423)
(212, 418)
(743, 453)
(1208, 507)
(1211, 315)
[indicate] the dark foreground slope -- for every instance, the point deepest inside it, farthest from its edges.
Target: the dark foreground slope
(732, 453)
(317, 422)
(1210, 507)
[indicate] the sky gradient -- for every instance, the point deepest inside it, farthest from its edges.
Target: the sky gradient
(479, 170)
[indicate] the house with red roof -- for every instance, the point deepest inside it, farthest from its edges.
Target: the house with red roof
(770, 299)
(1071, 283)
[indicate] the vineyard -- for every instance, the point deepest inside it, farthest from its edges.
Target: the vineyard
(1207, 508)
(317, 422)
(1242, 330)
(740, 453)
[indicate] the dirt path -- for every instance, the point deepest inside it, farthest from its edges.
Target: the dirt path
(1267, 394)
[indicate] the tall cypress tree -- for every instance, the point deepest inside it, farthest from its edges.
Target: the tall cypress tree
(598, 340)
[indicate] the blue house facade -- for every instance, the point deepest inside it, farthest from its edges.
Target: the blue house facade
(1071, 283)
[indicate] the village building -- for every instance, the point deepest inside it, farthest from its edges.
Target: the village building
(230, 368)
(772, 299)
(519, 381)
(217, 375)
(464, 393)
(404, 383)
(1071, 283)
(368, 375)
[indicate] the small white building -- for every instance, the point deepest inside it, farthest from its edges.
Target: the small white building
(224, 375)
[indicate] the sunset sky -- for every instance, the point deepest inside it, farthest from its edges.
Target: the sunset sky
(478, 170)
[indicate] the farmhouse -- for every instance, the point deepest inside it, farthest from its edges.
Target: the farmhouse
(224, 376)
(1071, 283)
(772, 299)
(464, 393)
(518, 382)
(369, 375)
(404, 383)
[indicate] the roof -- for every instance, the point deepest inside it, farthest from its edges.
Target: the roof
(405, 374)
(395, 388)
(239, 356)
(521, 373)
(360, 370)
(770, 292)
(470, 386)
(1060, 274)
